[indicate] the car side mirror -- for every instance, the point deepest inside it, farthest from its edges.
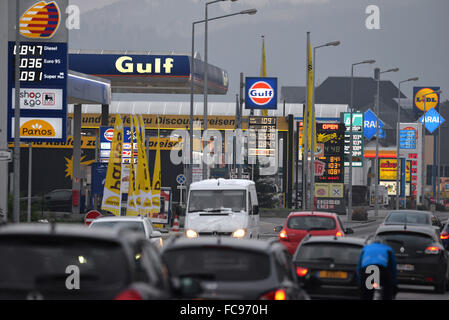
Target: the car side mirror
(255, 209)
(277, 229)
(349, 231)
(156, 234)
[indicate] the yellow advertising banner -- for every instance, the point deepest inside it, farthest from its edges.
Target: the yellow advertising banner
(387, 170)
(131, 209)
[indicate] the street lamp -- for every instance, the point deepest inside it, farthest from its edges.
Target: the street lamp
(423, 166)
(377, 74)
(206, 71)
(439, 153)
(192, 72)
(398, 137)
(312, 153)
(351, 102)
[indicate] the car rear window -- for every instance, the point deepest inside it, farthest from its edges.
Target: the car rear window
(28, 263)
(398, 239)
(408, 217)
(336, 253)
(218, 264)
(311, 223)
(132, 225)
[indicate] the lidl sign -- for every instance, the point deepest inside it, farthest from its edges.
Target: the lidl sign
(423, 98)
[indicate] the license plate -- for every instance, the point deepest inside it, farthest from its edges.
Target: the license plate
(405, 267)
(333, 274)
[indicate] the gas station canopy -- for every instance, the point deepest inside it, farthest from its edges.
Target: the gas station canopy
(148, 72)
(86, 89)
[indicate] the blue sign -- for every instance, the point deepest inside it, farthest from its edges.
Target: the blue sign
(261, 93)
(407, 139)
(370, 125)
(104, 65)
(432, 120)
(106, 135)
(180, 179)
(43, 91)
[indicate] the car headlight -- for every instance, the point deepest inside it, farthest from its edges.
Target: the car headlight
(191, 233)
(239, 233)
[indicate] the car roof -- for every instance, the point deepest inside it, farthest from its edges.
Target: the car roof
(425, 229)
(220, 183)
(314, 213)
(334, 239)
(120, 218)
(411, 211)
(240, 244)
(66, 230)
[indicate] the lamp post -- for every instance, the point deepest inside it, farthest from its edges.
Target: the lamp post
(423, 166)
(312, 152)
(439, 157)
(192, 72)
(206, 71)
(398, 137)
(351, 106)
(377, 74)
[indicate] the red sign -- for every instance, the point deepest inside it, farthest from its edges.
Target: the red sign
(91, 216)
(319, 167)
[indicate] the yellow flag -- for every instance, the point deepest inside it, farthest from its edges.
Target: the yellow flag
(157, 179)
(263, 70)
(309, 104)
(112, 196)
(145, 191)
(131, 209)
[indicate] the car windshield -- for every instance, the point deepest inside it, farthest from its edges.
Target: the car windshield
(218, 264)
(217, 200)
(132, 225)
(399, 239)
(311, 223)
(410, 217)
(33, 262)
(336, 253)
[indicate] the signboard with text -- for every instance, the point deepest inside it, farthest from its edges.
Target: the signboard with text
(331, 135)
(357, 138)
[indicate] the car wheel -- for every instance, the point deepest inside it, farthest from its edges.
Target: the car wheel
(440, 286)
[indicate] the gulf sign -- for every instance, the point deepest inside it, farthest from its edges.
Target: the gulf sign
(424, 98)
(260, 93)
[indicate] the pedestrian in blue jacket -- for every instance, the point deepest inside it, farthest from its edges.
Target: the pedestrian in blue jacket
(377, 261)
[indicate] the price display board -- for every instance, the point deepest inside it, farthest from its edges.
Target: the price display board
(262, 136)
(331, 135)
(357, 138)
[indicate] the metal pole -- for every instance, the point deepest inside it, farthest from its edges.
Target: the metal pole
(376, 163)
(192, 78)
(16, 192)
(349, 218)
(3, 108)
(30, 175)
(312, 151)
(305, 122)
(423, 173)
(239, 166)
(206, 68)
(439, 159)
(398, 137)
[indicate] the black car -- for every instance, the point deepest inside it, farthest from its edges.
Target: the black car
(56, 261)
(229, 268)
(420, 255)
(413, 217)
(326, 266)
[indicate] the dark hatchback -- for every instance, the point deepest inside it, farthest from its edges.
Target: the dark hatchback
(326, 266)
(40, 261)
(420, 255)
(229, 268)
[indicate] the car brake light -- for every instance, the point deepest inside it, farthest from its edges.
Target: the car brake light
(129, 294)
(339, 234)
(275, 295)
(301, 272)
(444, 236)
(283, 235)
(432, 250)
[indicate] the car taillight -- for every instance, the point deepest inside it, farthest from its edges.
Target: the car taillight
(283, 235)
(444, 235)
(129, 294)
(301, 272)
(432, 250)
(339, 234)
(279, 294)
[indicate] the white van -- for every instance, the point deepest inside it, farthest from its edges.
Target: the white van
(226, 207)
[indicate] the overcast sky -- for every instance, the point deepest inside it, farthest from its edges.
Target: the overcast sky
(413, 36)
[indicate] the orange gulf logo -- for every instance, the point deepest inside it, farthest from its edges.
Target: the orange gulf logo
(430, 100)
(40, 20)
(37, 128)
